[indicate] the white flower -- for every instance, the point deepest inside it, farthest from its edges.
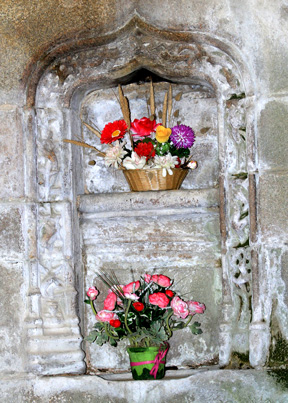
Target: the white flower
(115, 155)
(166, 162)
(192, 165)
(134, 162)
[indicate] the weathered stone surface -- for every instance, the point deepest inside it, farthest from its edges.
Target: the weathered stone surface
(12, 336)
(11, 153)
(11, 237)
(273, 213)
(273, 139)
(196, 386)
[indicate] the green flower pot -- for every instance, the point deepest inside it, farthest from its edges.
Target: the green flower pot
(142, 355)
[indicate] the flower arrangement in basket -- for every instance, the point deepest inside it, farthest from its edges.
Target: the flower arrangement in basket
(154, 151)
(146, 312)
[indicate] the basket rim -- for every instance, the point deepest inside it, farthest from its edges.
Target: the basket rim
(153, 169)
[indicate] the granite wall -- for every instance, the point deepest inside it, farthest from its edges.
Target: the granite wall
(55, 53)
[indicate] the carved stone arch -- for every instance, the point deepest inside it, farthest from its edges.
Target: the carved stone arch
(55, 90)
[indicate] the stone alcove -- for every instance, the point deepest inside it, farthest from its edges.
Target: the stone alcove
(55, 93)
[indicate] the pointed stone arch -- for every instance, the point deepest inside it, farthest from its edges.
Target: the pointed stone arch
(63, 76)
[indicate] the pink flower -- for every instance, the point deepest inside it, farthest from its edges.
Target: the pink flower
(143, 127)
(104, 316)
(110, 301)
(147, 278)
(131, 287)
(159, 299)
(180, 307)
(92, 293)
(129, 295)
(161, 280)
(195, 307)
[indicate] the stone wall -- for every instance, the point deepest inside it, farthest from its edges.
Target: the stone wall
(53, 54)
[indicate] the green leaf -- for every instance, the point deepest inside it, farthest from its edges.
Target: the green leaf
(195, 328)
(113, 342)
(244, 214)
(180, 152)
(242, 245)
(179, 325)
(241, 175)
(92, 336)
(99, 326)
(87, 301)
(237, 96)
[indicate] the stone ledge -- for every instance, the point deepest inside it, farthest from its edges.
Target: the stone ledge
(168, 201)
(198, 386)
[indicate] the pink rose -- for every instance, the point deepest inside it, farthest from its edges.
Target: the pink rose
(147, 278)
(180, 307)
(195, 307)
(131, 287)
(143, 127)
(161, 280)
(104, 316)
(110, 301)
(159, 299)
(92, 293)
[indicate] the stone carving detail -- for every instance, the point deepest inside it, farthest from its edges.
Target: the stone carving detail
(237, 243)
(96, 67)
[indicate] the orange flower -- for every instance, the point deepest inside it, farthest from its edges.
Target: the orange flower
(113, 131)
(162, 134)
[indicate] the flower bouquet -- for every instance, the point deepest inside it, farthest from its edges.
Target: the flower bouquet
(154, 150)
(146, 312)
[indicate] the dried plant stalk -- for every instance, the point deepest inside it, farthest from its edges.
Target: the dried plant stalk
(124, 104)
(152, 101)
(164, 117)
(169, 103)
(92, 129)
(82, 144)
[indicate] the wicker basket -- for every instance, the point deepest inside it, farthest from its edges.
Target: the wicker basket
(143, 180)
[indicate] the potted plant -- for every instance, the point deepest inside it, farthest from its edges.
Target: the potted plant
(146, 312)
(156, 157)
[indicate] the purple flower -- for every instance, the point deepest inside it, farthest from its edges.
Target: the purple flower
(182, 136)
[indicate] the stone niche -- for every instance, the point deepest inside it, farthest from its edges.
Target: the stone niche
(176, 233)
(86, 219)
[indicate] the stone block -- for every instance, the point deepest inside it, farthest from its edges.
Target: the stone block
(11, 318)
(11, 237)
(273, 211)
(272, 138)
(11, 155)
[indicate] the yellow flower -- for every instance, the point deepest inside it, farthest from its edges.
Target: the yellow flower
(162, 134)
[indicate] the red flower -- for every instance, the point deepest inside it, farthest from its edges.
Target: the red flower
(131, 287)
(159, 299)
(138, 306)
(143, 127)
(161, 280)
(115, 322)
(169, 293)
(113, 131)
(179, 163)
(145, 150)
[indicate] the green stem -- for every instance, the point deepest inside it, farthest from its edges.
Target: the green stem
(170, 332)
(186, 324)
(93, 308)
(126, 314)
(188, 321)
(109, 334)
